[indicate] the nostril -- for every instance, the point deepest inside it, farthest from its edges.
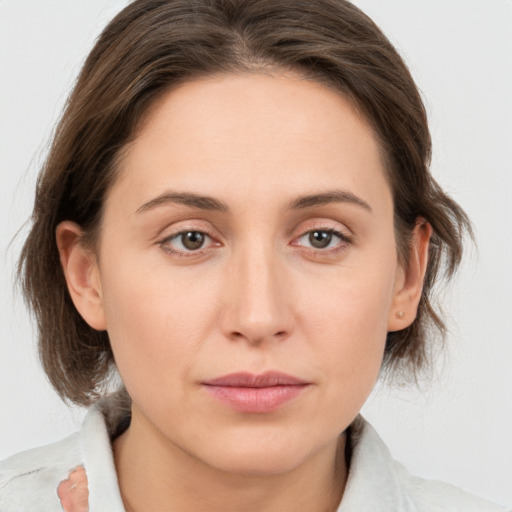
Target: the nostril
(237, 335)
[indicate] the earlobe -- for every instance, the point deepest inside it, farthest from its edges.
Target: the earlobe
(81, 272)
(409, 281)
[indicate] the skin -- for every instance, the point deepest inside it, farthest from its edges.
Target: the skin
(257, 296)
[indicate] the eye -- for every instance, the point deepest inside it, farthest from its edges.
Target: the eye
(186, 241)
(322, 239)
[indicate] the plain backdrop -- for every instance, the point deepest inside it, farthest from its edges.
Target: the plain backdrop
(458, 427)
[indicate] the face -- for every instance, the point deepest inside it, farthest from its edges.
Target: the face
(247, 269)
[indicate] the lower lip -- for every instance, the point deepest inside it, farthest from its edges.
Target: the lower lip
(255, 400)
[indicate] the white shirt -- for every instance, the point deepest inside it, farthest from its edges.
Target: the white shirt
(37, 480)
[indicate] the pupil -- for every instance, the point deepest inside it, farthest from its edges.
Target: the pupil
(193, 240)
(320, 239)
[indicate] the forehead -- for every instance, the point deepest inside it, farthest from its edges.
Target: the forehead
(252, 133)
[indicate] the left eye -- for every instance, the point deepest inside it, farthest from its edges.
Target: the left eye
(321, 239)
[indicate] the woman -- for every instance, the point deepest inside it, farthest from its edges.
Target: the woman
(237, 216)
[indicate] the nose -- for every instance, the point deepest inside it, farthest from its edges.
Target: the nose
(257, 302)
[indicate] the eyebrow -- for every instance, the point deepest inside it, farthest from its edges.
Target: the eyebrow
(331, 196)
(187, 199)
(211, 204)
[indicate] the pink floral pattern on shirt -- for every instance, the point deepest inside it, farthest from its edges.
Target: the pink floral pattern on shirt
(74, 491)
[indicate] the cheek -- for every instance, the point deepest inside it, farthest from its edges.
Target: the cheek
(352, 302)
(351, 344)
(155, 319)
(347, 322)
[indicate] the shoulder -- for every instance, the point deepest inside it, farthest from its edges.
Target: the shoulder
(77, 473)
(30, 480)
(379, 483)
(428, 495)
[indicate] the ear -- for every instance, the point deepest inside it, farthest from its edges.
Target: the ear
(409, 281)
(81, 271)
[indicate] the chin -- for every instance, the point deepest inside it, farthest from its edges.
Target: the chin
(260, 454)
(258, 464)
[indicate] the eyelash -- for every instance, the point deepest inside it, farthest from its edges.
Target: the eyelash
(344, 241)
(164, 244)
(342, 244)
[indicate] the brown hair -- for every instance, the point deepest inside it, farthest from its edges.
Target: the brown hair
(153, 45)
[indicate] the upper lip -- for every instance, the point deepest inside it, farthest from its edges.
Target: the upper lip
(250, 380)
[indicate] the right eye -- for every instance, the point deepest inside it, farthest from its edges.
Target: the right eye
(186, 242)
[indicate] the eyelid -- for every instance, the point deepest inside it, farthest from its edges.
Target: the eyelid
(342, 236)
(324, 225)
(189, 224)
(328, 225)
(164, 240)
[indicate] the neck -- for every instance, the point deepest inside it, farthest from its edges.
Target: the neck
(156, 475)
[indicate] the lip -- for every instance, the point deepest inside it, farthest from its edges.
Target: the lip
(263, 393)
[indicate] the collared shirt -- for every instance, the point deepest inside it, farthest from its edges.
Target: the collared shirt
(78, 473)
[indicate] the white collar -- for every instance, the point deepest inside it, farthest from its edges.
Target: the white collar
(376, 482)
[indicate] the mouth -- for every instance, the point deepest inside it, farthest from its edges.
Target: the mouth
(258, 394)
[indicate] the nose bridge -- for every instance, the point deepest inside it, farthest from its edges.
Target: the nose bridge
(257, 306)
